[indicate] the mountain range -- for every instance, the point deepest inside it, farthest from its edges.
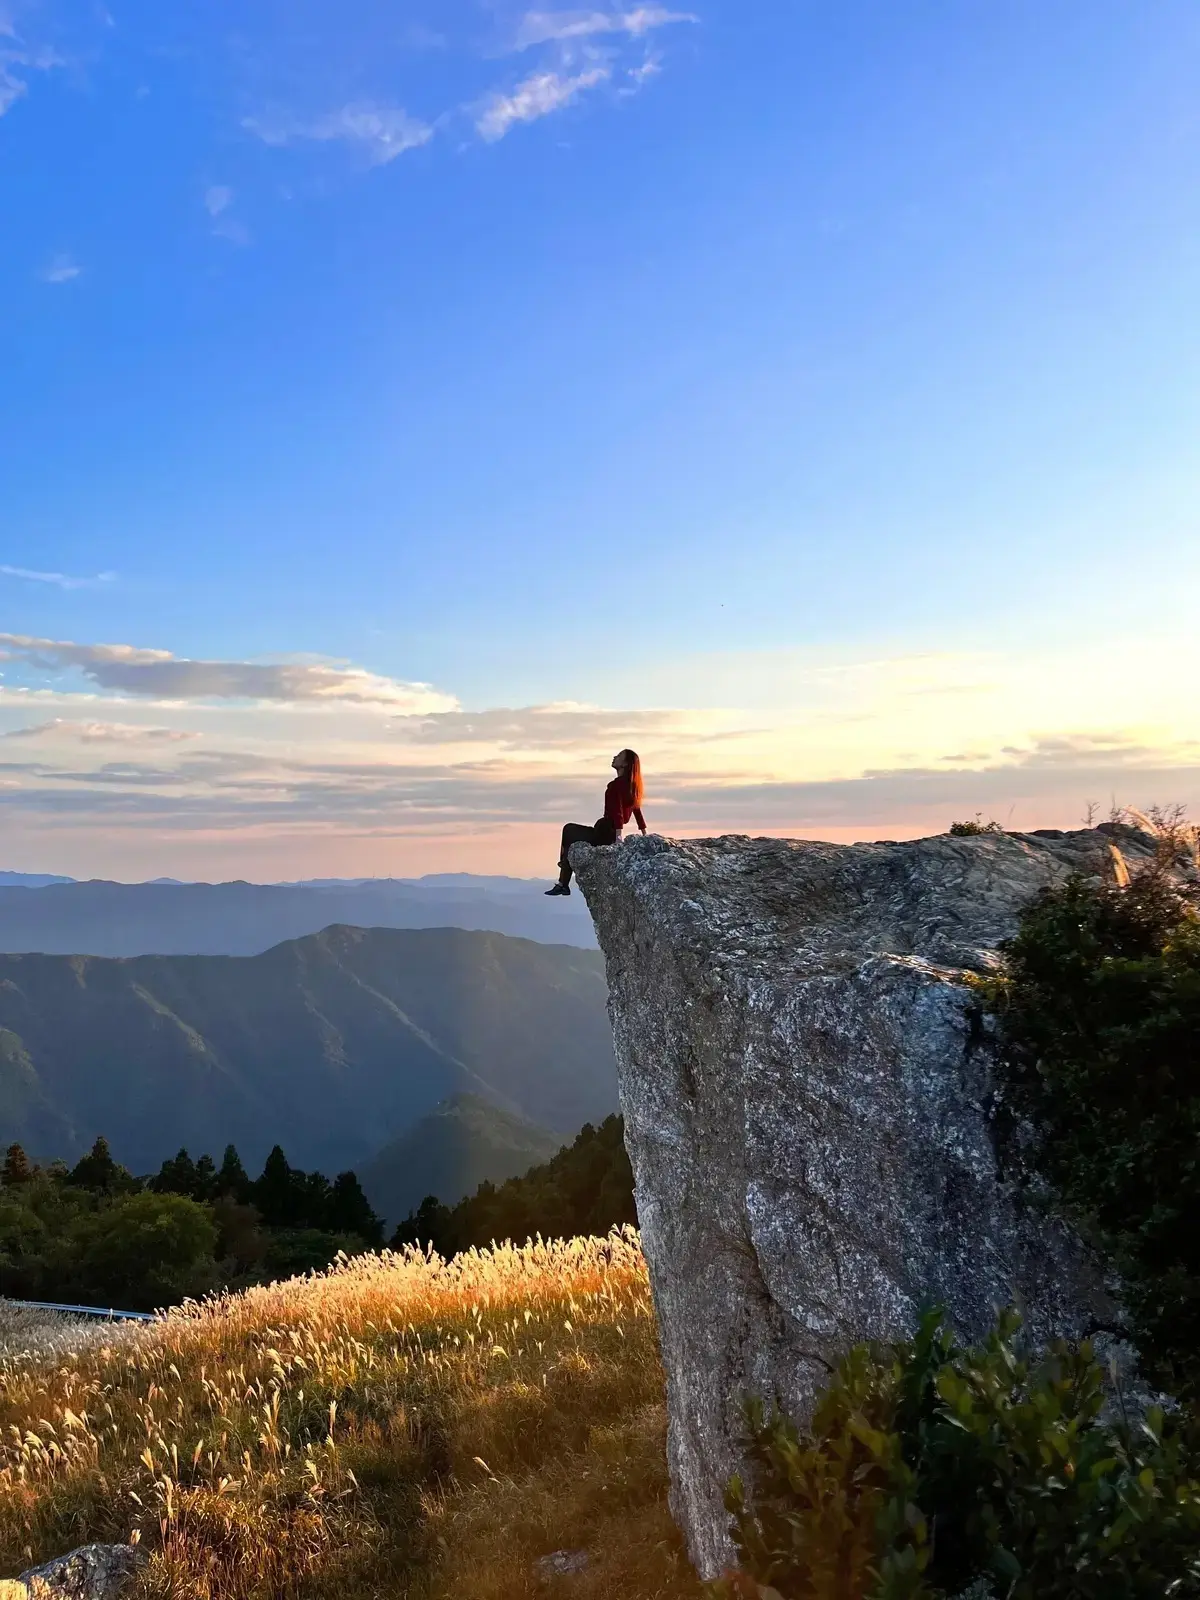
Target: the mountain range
(168, 918)
(330, 1045)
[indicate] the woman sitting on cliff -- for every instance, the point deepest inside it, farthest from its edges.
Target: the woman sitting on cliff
(622, 800)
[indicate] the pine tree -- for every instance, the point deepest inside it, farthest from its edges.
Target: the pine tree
(97, 1170)
(176, 1176)
(232, 1178)
(277, 1193)
(313, 1196)
(16, 1169)
(206, 1179)
(428, 1226)
(348, 1210)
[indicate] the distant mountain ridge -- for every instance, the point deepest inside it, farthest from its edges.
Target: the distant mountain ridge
(165, 918)
(329, 1045)
(462, 1143)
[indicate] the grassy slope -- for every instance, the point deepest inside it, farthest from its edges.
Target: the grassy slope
(328, 1044)
(399, 1427)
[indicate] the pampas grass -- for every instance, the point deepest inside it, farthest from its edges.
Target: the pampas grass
(399, 1425)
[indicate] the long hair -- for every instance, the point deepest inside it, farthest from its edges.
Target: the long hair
(637, 790)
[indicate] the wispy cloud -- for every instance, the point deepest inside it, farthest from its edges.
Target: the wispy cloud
(18, 61)
(60, 269)
(130, 670)
(381, 132)
(637, 77)
(562, 726)
(63, 729)
(218, 198)
(582, 50)
(537, 96)
(321, 765)
(557, 27)
(60, 580)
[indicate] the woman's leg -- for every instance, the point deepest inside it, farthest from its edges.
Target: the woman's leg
(573, 833)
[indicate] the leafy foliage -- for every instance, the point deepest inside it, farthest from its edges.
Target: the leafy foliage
(97, 1234)
(587, 1188)
(975, 826)
(1098, 1016)
(99, 1172)
(930, 1469)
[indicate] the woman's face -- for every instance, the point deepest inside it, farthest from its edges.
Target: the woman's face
(619, 762)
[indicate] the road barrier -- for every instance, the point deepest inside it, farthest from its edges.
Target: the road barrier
(108, 1313)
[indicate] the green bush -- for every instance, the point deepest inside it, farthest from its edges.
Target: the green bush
(931, 1470)
(976, 826)
(1098, 1022)
(143, 1251)
(97, 1234)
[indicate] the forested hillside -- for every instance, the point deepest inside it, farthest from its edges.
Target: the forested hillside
(586, 1188)
(94, 1233)
(463, 1143)
(329, 1045)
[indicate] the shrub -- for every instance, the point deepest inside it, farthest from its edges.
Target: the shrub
(146, 1250)
(1098, 1020)
(968, 830)
(931, 1469)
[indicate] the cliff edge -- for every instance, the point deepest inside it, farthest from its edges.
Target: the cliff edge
(809, 1111)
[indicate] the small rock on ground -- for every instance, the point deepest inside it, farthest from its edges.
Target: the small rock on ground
(558, 1564)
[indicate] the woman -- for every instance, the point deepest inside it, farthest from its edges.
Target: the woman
(622, 800)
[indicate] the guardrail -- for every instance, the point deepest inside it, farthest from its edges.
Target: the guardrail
(108, 1313)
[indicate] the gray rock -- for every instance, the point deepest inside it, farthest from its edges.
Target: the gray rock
(561, 1563)
(809, 1111)
(93, 1572)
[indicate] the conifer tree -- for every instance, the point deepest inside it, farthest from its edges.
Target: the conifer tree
(16, 1169)
(176, 1176)
(232, 1178)
(97, 1170)
(275, 1191)
(312, 1199)
(206, 1179)
(348, 1210)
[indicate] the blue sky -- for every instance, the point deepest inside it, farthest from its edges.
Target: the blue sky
(808, 393)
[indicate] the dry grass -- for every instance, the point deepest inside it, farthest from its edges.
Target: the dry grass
(29, 1334)
(399, 1426)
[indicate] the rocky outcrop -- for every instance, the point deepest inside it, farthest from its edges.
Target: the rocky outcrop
(809, 1110)
(93, 1572)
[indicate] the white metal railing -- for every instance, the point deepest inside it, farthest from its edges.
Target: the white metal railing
(109, 1313)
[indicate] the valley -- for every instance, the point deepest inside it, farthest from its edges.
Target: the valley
(329, 1045)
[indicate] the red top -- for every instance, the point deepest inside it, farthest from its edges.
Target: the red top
(619, 806)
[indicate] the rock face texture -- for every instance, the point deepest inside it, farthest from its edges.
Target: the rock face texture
(809, 1111)
(93, 1572)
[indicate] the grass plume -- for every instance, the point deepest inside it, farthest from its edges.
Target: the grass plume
(399, 1425)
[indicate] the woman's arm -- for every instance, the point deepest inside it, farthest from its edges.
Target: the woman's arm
(640, 819)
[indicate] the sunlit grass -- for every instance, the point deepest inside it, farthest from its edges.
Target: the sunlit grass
(397, 1426)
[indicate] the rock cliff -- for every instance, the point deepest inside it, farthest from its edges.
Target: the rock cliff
(808, 1104)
